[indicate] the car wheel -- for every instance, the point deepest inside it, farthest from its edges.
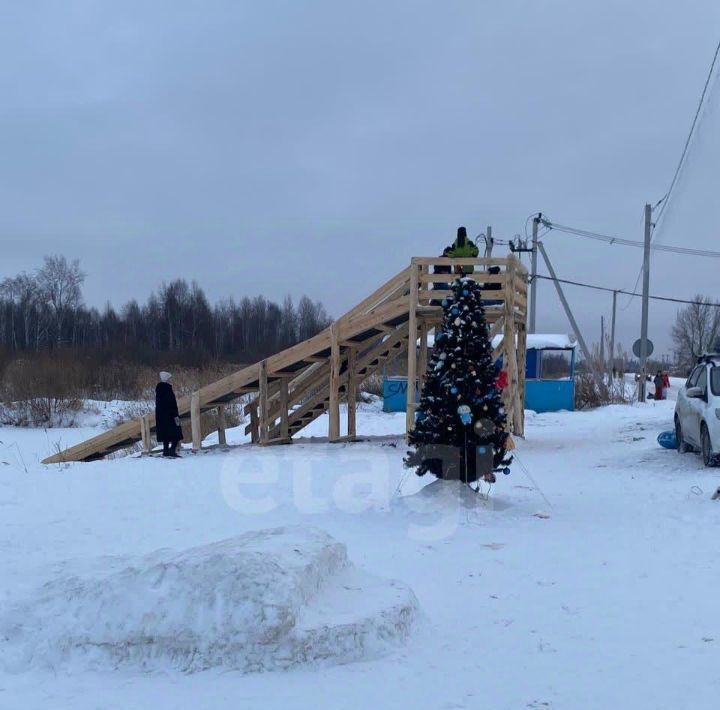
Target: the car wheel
(709, 458)
(682, 447)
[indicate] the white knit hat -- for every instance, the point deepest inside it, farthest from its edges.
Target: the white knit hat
(165, 376)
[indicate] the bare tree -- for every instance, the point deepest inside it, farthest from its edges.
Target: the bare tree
(60, 282)
(46, 310)
(696, 329)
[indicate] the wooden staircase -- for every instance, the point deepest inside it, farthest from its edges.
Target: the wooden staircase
(297, 385)
(311, 400)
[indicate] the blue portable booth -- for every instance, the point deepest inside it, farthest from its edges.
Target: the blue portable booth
(549, 376)
(550, 373)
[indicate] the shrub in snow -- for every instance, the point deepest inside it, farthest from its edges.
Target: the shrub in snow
(266, 600)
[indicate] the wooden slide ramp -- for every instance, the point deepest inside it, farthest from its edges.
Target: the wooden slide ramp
(295, 386)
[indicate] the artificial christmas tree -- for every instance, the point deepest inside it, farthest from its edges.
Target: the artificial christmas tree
(460, 423)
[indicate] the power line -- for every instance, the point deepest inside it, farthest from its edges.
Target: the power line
(629, 242)
(666, 199)
(628, 293)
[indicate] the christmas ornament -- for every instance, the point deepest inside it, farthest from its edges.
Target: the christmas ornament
(465, 414)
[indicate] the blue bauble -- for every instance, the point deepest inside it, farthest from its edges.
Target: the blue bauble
(453, 390)
(466, 292)
(481, 449)
(506, 471)
(445, 303)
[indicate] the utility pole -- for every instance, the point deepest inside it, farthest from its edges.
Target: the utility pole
(612, 333)
(533, 272)
(489, 242)
(602, 343)
(645, 301)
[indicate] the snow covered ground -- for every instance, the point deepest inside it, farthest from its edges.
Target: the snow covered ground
(587, 580)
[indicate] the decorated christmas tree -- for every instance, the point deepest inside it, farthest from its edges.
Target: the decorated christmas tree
(460, 423)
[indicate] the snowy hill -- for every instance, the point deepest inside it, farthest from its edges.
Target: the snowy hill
(584, 581)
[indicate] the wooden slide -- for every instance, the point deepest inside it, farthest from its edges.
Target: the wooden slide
(295, 386)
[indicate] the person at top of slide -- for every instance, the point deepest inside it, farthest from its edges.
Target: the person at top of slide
(463, 247)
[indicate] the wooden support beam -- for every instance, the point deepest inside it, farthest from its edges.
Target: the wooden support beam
(278, 440)
(423, 356)
(412, 347)
(309, 382)
(351, 390)
(221, 418)
(496, 329)
(388, 290)
(263, 403)
(510, 350)
(461, 261)
(195, 415)
(522, 359)
(480, 276)
(284, 429)
(334, 384)
(254, 426)
(145, 433)
(301, 379)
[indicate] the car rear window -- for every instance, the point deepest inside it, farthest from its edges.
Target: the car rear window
(715, 380)
(693, 378)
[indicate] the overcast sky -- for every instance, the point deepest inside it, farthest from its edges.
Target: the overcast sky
(315, 146)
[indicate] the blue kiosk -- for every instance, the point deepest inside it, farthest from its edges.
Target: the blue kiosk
(549, 376)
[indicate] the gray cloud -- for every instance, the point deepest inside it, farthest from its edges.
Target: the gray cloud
(315, 146)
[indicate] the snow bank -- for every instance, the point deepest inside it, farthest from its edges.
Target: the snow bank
(266, 600)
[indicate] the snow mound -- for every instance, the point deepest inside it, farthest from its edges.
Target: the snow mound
(441, 492)
(266, 600)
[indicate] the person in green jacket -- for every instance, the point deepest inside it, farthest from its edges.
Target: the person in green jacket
(463, 247)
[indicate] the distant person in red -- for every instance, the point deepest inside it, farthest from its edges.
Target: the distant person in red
(666, 381)
(502, 380)
(659, 383)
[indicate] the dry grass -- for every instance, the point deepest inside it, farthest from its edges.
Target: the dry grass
(49, 389)
(591, 393)
(373, 385)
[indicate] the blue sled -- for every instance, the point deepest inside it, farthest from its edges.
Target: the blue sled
(667, 440)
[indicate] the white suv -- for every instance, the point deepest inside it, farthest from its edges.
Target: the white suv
(697, 411)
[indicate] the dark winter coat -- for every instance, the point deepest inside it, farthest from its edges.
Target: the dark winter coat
(443, 268)
(166, 412)
(659, 382)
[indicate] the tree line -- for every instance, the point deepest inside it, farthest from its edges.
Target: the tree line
(45, 310)
(696, 330)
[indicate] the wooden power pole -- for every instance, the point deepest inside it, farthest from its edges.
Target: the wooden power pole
(612, 333)
(533, 273)
(645, 300)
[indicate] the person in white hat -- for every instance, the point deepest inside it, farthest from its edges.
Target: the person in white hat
(167, 420)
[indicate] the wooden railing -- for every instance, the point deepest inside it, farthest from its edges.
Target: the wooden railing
(506, 315)
(513, 277)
